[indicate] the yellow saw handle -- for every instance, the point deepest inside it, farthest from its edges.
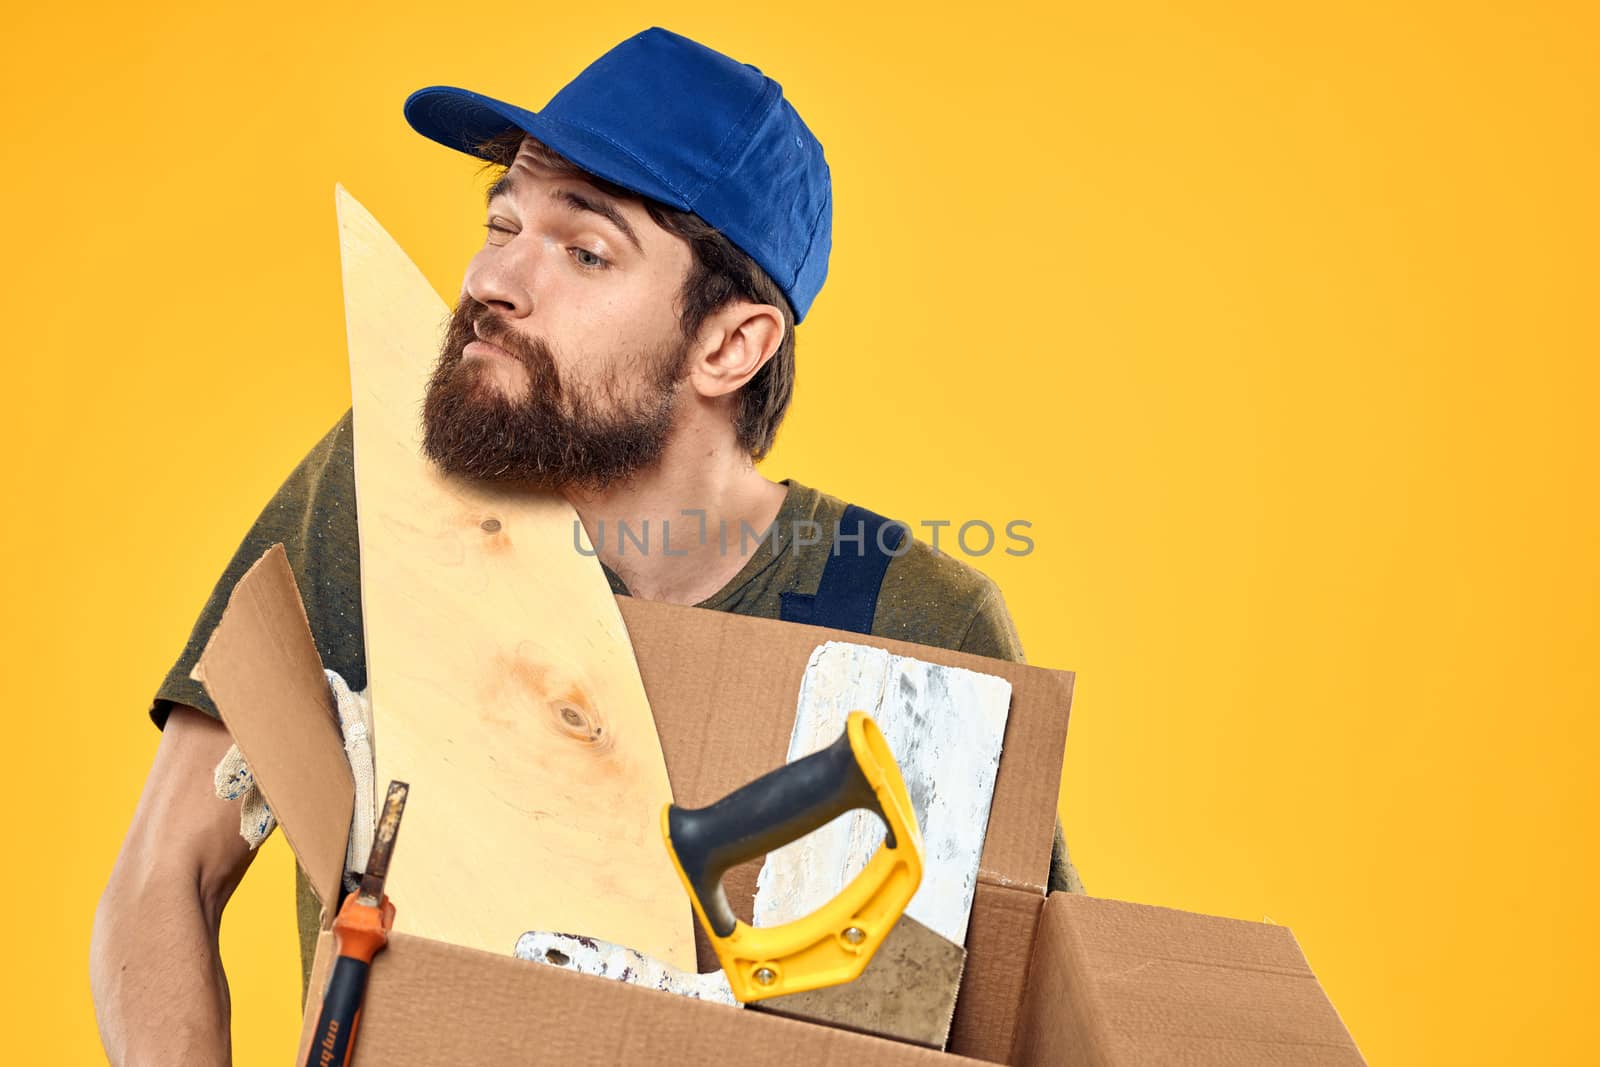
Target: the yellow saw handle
(834, 943)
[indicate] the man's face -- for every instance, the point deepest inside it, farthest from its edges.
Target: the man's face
(563, 360)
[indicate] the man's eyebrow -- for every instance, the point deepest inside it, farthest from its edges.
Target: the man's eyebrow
(579, 203)
(575, 202)
(499, 188)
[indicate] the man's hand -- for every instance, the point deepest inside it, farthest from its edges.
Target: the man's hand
(159, 992)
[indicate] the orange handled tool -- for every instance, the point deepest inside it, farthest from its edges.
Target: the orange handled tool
(361, 930)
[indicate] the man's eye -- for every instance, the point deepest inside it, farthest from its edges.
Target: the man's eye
(496, 228)
(587, 259)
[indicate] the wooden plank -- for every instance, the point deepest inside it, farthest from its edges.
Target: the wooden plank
(945, 726)
(503, 684)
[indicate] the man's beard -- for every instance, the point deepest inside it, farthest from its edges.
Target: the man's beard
(554, 435)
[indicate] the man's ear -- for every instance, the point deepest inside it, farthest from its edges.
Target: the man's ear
(735, 342)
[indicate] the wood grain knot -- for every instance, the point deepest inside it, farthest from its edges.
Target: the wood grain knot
(579, 723)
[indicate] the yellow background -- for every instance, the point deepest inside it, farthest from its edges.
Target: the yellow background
(1276, 321)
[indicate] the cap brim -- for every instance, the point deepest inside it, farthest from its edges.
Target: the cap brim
(461, 120)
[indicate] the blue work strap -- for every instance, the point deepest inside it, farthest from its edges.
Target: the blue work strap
(847, 596)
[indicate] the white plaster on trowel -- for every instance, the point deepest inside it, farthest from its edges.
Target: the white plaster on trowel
(590, 955)
(945, 726)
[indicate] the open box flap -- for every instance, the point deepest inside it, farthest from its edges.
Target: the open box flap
(262, 670)
(1116, 983)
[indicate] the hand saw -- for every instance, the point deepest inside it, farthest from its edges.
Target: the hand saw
(834, 943)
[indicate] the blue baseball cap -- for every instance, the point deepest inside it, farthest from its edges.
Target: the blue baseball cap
(673, 120)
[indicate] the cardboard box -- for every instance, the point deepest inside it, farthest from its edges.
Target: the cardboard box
(1060, 980)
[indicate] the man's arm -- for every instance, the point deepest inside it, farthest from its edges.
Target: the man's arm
(179, 823)
(154, 968)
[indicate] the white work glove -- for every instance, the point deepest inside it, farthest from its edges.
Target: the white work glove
(234, 781)
(355, 722)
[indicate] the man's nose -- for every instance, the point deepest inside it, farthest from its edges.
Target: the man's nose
(502, 276)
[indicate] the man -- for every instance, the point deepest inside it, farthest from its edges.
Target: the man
(625, 336)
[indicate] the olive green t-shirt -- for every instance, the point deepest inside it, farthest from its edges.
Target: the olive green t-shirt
(927, 597)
